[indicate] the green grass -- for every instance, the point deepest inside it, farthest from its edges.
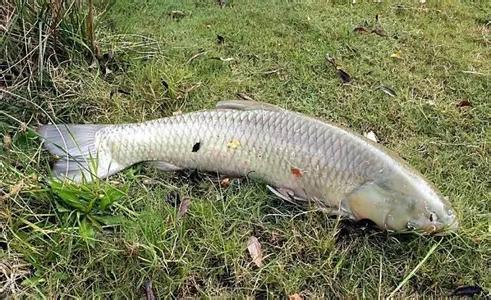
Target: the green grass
(278, 50)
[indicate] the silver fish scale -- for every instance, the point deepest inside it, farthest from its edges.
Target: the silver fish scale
(273, 145)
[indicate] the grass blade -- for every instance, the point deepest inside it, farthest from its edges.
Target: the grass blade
(406, 279)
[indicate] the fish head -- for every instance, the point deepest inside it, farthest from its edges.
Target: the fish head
(404, 202)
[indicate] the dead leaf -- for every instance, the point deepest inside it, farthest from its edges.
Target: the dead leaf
(23, 127)
(389, 91)
(233, 144)
(225, 182)
(222, 3)
(463, 103)
(296, 172)
(468, 291)
(7, 141)
(183, 207)
(165, 85)
(331, 60)
(255, 251)
(361, 29)
(396, 55)
(14, 190)
(132, 249)
(379, 31)
(343, 75)
(177, 14)
(173, 198)
(295, 297)
(371, 136)
(220, 39)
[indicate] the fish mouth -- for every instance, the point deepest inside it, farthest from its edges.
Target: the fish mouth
(437, 229)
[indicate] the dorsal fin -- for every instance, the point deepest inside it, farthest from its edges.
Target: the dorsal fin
(246, 105)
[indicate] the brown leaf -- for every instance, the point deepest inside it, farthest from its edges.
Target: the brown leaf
(177, 14)
(296, 172)
(222, 3)
(468, 291)
(220, 39)
(255, 251)
(225, 182)
(361, 29)
(295, 297)
(165, 85)
(379, 31)
(343, 75)
(173, 198)
(183, 207)
(464, 103)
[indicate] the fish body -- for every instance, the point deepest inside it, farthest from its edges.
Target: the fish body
(298, 156)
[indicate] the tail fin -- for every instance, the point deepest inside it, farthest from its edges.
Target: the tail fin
(79, 158)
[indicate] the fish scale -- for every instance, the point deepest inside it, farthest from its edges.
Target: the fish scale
(288, 141)
(299, 156)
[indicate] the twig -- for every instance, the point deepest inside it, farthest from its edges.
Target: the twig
(196, 56)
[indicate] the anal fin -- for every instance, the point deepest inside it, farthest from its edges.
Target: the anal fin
(285, 194)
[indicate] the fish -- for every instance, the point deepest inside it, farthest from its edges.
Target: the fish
(300, 158)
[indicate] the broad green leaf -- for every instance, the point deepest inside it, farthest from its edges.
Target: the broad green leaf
(87, 232)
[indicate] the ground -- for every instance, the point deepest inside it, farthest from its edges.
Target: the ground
(420, 81)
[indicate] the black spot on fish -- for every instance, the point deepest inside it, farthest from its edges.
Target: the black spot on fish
(196, 146)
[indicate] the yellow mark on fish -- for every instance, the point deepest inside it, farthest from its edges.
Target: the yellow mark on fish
(233, 144)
